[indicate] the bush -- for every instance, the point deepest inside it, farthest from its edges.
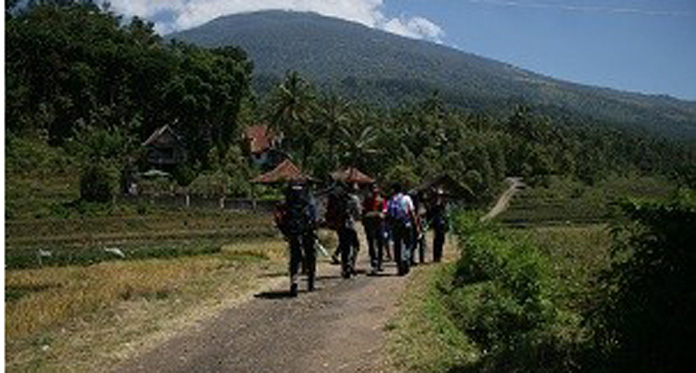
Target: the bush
(645, 320)
(97, 184)
(503, 296)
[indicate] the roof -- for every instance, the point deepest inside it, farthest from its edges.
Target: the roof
(352, 175)
(449, 185)
(286, 171)
(162, 136)
(260, 138)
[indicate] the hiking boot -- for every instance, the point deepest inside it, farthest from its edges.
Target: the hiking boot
(293, 290)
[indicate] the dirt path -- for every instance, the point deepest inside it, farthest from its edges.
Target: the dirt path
(515, 185)
(338, 328)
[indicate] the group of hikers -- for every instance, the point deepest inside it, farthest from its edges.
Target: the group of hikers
(396, 222)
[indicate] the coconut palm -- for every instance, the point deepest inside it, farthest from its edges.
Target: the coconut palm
(292, 104)
(332, 113)
(357, 142)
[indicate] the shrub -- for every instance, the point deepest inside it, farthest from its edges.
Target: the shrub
(645, 319)
(503, 296)
(97, 184)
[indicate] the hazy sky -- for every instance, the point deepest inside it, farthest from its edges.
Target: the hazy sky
(638, 45)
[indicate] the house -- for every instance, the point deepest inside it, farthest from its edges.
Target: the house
(453, 190)
(164, 149)
(352, 175)
(285, 172)
(263, 145)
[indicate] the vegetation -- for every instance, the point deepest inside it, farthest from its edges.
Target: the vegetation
(85, 89)
(79, 76)
(570, 202)
(132, 83)
(53, 316)
(644, 320)
(569, 298)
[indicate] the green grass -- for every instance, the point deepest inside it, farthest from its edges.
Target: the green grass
(423, 336)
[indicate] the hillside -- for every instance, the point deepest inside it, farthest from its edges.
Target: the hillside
(359, 62)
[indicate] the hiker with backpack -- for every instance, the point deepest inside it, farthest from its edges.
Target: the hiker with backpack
(437, 216)
(297, 220)
(401, 216)
(374, 211)
(348, 243)
(418, 229)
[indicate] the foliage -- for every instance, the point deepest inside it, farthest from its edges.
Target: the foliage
(504, 296)
(423, 336)
(645, 319)
(72, 66)
(97, 184)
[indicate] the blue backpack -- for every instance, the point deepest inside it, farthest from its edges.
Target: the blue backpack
(396, 209)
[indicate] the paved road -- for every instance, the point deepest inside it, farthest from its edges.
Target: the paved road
(338, 328)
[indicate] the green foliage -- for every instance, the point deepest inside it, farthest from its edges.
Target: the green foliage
(73, 66)
(505, 297)
(97, 183)
(424, 336)
(645, 319)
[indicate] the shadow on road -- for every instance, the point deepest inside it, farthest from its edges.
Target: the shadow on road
(275, 294)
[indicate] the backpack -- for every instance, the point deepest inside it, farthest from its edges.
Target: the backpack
(299, 215)
(396, 209)
(335, 210)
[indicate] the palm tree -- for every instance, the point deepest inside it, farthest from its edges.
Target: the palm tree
(357, 142)
(292, 105)
(332, 114)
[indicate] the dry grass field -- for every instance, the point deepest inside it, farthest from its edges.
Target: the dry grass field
(86, 318)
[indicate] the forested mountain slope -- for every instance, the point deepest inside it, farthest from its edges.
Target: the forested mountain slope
(360, 62)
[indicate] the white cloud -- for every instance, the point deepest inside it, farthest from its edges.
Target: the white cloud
(184, 14)
(416, 27)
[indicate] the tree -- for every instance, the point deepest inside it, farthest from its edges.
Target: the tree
(292, 104)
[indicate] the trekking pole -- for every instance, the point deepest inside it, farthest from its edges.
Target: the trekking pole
(320, 248)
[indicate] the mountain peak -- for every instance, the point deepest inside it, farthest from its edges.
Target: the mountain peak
(362, 62)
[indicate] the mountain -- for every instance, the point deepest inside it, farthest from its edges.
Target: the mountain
(363, 63)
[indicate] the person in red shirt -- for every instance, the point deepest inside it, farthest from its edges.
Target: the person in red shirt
(374, 211)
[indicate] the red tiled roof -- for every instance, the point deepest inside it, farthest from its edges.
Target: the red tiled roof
(286, 171)
(260, 138)
(352, 175)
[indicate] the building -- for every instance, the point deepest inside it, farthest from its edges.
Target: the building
(263, 145)
(164, 149)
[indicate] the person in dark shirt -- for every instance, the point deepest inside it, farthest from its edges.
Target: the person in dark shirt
(374, 210)
(437, 216)
(297, 220)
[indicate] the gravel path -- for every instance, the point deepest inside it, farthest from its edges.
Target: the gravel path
(338, 328)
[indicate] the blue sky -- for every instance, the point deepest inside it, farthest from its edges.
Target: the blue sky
(646, 46)
(639, 45)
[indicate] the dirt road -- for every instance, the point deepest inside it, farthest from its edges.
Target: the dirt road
(338, 328)
(501, 205)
